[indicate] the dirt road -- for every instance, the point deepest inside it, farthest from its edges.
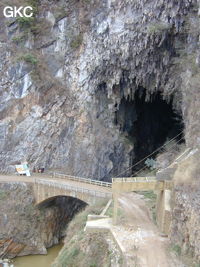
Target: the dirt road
(144, 245)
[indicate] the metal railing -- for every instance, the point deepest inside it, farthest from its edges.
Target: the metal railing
(94, 193)
(82, 180)
(134, 179)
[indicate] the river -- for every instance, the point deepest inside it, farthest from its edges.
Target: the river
(38, 260)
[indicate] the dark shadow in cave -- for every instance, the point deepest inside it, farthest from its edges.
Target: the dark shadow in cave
(147, 125)
(64, 208)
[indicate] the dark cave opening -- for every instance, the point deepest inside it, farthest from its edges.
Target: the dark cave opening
(148, 124)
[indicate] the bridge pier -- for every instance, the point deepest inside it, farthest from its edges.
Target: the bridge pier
(163, 210)
(115, 208)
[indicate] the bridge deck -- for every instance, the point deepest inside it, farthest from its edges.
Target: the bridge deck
(39, 178)
(78, 184)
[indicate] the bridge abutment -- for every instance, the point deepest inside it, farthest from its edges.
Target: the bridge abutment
(163, 210)
(162, 189)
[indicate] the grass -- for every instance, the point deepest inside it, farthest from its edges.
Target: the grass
(120, 213)
(186, 257)
(3, 195)
(29, 210)
(158, 27)
(79, 221)
(76, 41)
(31, 24)
(19, 39)
(150, 196)
(25, 22)
(84, 249)
(29, 58)
(176, 249)
(71, 253)
(34, 4)
(60, 13)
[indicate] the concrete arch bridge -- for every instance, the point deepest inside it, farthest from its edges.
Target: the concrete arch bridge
(47, 187)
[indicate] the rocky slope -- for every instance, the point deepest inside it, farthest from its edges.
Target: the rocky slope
(65, 73)
(185, 233)
(185, 225)
(27, 229)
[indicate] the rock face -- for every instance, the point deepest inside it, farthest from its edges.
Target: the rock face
(65, 73)
(185, 230)
(27, 229)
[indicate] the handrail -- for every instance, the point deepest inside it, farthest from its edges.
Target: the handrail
(80, 179)
(134, 179)
(95, 193)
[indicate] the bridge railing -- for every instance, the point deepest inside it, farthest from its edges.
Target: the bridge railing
(82, 180)
(134, 179)
(94, 193)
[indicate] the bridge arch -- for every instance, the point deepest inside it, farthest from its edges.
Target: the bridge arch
(52, 199)
(47, 190)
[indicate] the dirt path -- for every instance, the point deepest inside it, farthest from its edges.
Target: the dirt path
(144, 245)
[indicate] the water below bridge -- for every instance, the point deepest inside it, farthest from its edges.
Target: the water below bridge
(38, 260)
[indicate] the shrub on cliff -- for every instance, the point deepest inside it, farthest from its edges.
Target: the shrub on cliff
(29, 58)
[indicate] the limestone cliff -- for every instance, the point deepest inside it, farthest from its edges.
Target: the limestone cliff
(65, 74)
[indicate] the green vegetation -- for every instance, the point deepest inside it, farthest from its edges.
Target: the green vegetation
(25, 22)
(120, 213)
(30, 210)
(76, 41)
(29, 58)
(3, 195)
(176, 249)
(150, 196)
(72, 253)
(79, 221)
(19, 39)
(34, 4)
(60, 13)
(84, 249)
(109, 212)
(157, 28)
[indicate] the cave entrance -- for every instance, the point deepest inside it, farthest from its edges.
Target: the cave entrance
(147, 124)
